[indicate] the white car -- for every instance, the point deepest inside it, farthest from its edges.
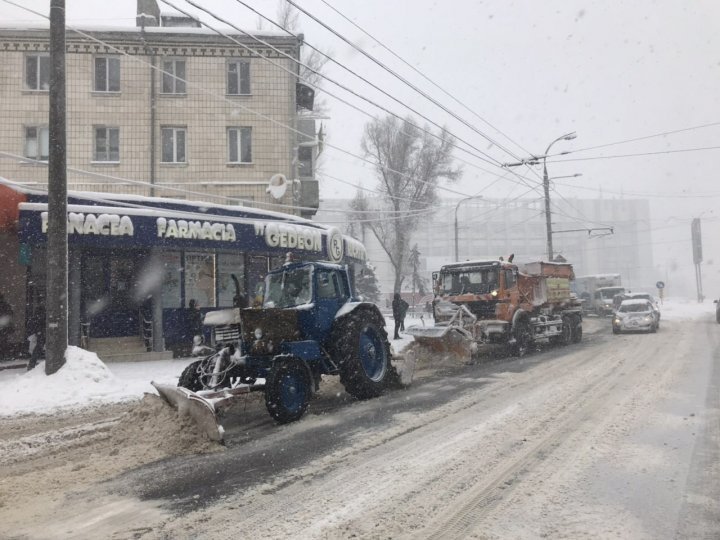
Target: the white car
(636, 315)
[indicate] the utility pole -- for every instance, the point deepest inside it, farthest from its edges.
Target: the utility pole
(56, 301)
(456, 221)
(546, 187)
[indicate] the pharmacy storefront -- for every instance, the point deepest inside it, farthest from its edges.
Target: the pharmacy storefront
(135, 263)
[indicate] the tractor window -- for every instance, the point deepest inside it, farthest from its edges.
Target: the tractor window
(509, 279)
(476, 281)
(288, 288)
(331, 285)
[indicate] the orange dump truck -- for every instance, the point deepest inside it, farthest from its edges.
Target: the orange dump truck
(496, 301)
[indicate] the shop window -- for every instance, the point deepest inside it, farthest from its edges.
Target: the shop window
(37, 72)
(238, 77)
(230, 264)
(37, 142)
(107, 74)
(173, 77)
(240, 145)
(172, 275)
(107, 144)
(200, 282)
(173, 144)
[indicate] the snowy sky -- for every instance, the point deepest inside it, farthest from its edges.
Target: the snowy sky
(609, 70)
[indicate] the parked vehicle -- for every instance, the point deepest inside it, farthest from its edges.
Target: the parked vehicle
(636, 315)
(495, 301)
(310, 324)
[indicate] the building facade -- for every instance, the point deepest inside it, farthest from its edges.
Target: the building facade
(174, 111)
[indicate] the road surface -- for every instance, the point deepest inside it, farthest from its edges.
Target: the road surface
(618, 436)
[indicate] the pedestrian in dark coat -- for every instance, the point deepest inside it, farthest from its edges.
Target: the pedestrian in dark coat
(399, 307)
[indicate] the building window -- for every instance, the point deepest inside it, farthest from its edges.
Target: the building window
(173, 145)
(305, 161)
(37, 72)
(238, 77)
(107, 144)
(240, 145)
(107, 74)
(37, 145)
(173, 77)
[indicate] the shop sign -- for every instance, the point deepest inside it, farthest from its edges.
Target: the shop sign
(92, 224)
(195, 230)
(285, 235)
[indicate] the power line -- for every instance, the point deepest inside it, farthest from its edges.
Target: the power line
(637, 155)
(422, 74)
(404, 80)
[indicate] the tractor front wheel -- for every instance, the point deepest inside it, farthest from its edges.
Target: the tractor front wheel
(362, 352)
(287, 390)
(190, 378)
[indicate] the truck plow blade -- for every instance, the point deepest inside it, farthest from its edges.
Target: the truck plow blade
(201, 410)
(443, 340)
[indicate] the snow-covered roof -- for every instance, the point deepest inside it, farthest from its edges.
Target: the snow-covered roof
(44, 26)
(635, 302)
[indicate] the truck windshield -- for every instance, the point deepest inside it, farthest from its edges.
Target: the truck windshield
(288, 288)
(608, 293)
(477, 281)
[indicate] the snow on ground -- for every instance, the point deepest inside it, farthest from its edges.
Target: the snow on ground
(83, 381)
(86, 381)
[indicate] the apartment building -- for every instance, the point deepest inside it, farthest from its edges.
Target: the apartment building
(164, 109)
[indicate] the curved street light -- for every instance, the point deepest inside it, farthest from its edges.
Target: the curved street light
(456, 220)
(546, 187)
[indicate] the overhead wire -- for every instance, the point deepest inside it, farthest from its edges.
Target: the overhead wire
(408, 64)
(401, 78)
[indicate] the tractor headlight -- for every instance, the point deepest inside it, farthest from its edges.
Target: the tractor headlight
(198, 340)
(258, 333)
(494, 293)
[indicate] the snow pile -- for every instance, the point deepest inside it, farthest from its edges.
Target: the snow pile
(683, 309)
(83, 380)
(160, 430)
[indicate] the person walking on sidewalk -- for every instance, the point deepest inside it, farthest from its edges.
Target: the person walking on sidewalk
(399, 307)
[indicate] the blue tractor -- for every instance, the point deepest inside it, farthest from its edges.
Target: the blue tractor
(310, 324)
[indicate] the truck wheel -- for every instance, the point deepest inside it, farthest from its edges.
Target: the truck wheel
(287, 390)
(362, 352)
(523, 339)
(566, 336)
(190, 378)
(577, 331)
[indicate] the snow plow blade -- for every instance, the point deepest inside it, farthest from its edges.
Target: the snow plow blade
(444, 339)
(198, 408)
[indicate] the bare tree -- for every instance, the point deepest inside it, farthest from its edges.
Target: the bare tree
(409, 164)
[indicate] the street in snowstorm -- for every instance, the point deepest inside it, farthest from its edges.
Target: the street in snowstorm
(614, 437)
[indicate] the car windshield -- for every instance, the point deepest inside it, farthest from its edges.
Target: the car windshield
(634, 308)
(288, 288)
(477, 281)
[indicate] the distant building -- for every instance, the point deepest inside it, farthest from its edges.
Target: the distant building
(493, 228)
(165, 103)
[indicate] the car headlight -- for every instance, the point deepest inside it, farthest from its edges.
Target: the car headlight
(648, 318)
(258, 333)
(616, 320)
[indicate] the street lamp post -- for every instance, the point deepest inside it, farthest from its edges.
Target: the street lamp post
(546, 187)
(456, 220)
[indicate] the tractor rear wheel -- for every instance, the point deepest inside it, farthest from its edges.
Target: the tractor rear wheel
(287, 390)
(190, 378)
(362, 352)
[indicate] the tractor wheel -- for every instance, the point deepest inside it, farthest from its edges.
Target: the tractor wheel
(523, 338)
(577, 331)
(190, 377)
(362, 352)
(287, 390)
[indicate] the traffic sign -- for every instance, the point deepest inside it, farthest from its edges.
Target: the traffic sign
(660, 284)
